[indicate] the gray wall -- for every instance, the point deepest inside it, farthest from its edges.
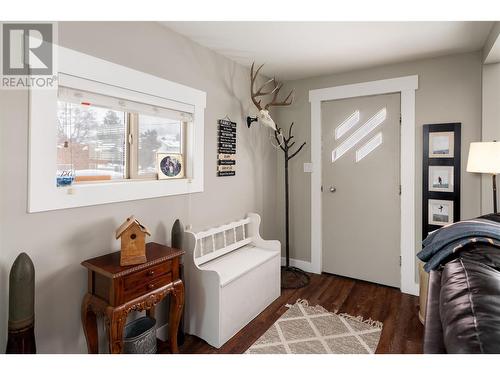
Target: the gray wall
(58, 241)
(449, 91)
(490, 42)
(491, 124)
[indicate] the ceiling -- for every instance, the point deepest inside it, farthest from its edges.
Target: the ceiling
(295, 50)
(494, 53)
(492, 46)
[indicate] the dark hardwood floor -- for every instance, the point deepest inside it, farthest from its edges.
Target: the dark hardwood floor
(402, 332)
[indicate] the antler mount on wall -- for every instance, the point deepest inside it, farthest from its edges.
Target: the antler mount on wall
(270, 87)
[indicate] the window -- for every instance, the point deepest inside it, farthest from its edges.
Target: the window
(91, 142)
(102, 138)
(104, 124)
(155, 135)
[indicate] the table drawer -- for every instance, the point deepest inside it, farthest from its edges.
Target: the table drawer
(146, 286)
(146, 276)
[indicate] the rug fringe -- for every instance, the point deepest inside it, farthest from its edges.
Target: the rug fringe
(305, 303)
(359, 318)
(321, 309)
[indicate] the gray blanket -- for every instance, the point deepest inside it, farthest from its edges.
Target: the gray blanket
(446, 241)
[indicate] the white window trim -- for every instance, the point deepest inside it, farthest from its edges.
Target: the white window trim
(406, 86)
(43, 195)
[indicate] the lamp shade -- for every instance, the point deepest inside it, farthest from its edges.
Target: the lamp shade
(484, 157)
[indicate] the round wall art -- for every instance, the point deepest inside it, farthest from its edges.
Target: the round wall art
(170, 166)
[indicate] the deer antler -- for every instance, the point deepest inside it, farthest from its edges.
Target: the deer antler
(261, 92)
(276, 91)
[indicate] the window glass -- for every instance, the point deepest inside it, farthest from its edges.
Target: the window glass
(103, 137)
(156, 135)
(91, 142)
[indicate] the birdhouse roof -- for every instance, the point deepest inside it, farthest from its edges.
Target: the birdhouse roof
(128, 223)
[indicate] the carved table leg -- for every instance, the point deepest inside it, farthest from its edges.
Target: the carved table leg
(89, 323)
(176, 305)
(151, 312)
(115, 323)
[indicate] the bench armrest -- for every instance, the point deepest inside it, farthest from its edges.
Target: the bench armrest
(257, 240)
(268, 244)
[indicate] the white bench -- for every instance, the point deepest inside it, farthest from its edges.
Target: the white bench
(231, 275)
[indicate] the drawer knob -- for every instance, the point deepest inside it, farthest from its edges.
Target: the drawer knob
(151, 273)
(151, 286)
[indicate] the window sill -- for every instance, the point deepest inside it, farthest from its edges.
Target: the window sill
(122, 180)
(89, 194)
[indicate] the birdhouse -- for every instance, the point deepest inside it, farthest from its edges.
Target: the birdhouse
(133, 242)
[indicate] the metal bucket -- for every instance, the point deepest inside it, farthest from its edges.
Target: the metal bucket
(140, 336)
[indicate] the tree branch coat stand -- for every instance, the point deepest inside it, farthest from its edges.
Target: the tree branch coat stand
(291, 277)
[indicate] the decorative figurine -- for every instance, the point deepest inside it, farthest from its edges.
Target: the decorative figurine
(21, 336)
(177, 234)
(133, 242)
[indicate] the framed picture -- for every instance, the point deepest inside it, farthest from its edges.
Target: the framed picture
(441, 144)
(169, 166)
(441, 163)
(440, 212)
(441, 178)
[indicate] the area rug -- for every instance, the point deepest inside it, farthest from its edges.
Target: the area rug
(305, 329)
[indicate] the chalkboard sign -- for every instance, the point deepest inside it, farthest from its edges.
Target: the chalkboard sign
(226, 147)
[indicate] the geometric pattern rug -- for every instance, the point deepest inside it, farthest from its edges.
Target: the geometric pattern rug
(305, 329)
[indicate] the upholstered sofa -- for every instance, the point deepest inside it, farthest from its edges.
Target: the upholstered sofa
(463, 304)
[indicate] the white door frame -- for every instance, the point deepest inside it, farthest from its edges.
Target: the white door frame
(406, 86)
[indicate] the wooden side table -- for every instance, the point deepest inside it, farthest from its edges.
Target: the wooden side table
(114, 291)
(423, 292)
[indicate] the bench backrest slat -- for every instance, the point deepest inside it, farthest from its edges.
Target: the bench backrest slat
(206, 252)
(216, 254)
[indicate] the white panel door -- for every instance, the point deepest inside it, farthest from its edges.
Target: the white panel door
(361, 188)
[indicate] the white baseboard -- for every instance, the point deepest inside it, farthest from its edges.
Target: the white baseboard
(308, 267)
(162, 332)
(302, 264)
(414, 290)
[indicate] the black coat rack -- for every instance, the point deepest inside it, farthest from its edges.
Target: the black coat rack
(291, 277)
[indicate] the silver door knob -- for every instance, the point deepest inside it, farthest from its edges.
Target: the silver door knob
(333, 189)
